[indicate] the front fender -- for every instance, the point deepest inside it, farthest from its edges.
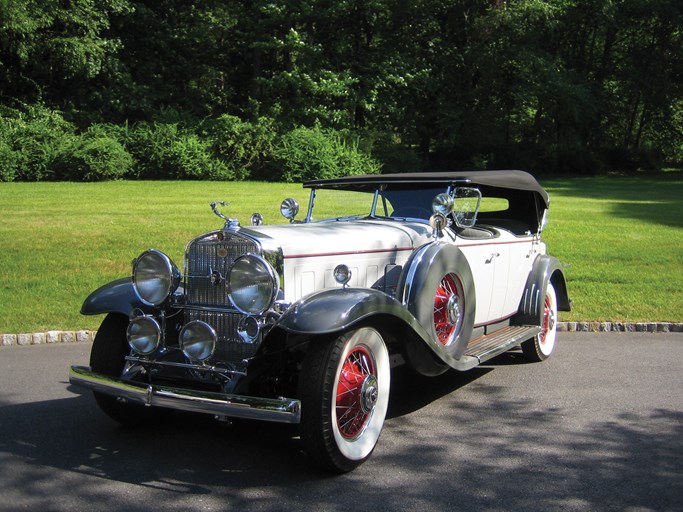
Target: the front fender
(336, 309)
(115, 297)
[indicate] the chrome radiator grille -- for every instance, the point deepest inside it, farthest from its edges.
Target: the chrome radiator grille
(229, 346)
(213, 253)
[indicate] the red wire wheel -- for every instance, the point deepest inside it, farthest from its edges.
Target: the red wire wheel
(448, 308)
(542, 345)
(356, 392)
(344, 386)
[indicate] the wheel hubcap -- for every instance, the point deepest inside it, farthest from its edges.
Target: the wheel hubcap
(453, 309)
(369, 394)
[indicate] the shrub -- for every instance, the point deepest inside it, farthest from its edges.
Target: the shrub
(396, 157)
(167, 151)
(243, 146)
(92, 157)
(189, 157)
(36, 137)
(8, 162)
(148, 144)
(315, 153)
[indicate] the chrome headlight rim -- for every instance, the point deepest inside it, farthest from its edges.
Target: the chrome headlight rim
(168, 277)
(201, 343)
(269, 274)
(146, 338)
(342, 274)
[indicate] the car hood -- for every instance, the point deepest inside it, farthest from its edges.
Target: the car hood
(343, 237)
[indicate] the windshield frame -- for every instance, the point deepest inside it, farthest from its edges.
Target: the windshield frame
(382, 200)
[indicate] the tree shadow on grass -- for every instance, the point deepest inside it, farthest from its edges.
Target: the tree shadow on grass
(648, 199)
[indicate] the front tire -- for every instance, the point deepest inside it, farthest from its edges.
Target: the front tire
(107, 357)
(542, 345)
(344, 389)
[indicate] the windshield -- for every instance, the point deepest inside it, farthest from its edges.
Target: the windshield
(327, 204)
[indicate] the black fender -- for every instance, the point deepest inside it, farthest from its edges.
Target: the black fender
(417, 286)
(337, 309)
(115, 297)
(546, 269)
(318, 315)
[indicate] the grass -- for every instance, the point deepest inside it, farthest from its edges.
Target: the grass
(623, 238)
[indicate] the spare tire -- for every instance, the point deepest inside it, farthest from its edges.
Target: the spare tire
(437, 287)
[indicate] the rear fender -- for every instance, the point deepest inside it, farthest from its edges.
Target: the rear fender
(545, 269)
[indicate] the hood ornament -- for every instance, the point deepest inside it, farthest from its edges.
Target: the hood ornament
(231, 224)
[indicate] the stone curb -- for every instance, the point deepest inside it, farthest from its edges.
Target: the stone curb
(46, 338)
(58, 337)
(620, 327)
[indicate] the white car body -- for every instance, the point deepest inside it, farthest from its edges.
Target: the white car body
(300, 323)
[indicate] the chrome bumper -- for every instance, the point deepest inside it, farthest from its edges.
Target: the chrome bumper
(282, 410)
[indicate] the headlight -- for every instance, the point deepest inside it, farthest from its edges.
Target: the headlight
(198, 340)
(143, 334)
(252, 284)
(155, 277)
(289, 209)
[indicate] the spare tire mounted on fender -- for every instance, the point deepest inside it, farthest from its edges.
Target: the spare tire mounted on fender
(438, 289)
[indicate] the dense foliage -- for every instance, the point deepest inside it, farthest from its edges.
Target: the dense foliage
(285, 89)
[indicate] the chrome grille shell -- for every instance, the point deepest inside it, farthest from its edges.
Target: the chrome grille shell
(207, 261)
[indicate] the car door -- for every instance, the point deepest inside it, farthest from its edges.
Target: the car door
(482, 261)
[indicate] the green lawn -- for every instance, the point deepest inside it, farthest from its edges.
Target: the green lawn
(623, 238)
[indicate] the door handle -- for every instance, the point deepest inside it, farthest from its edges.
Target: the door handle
(493, 255)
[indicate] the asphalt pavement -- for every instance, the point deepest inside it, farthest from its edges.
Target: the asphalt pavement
(598, 426)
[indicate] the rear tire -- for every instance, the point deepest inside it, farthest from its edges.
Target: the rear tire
(107, 357)
(542, 345)
(344, 390)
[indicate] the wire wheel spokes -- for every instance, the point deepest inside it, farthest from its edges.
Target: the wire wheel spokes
(448, 308)
(548, 319)
(356, 392)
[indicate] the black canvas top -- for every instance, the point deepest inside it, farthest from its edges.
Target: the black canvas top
(516, 180)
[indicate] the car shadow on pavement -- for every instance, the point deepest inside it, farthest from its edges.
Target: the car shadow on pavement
(518, 456)
(187, 452)
(411, 392)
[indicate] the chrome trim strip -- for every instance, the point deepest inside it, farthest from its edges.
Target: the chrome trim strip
(347, 253)
(186, 366)
(281, 410)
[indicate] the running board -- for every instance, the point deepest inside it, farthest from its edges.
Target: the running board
(490, 345)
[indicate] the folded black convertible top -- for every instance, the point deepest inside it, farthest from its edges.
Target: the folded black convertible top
(516, 180)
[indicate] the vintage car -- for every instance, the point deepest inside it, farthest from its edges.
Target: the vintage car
(301, 322)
